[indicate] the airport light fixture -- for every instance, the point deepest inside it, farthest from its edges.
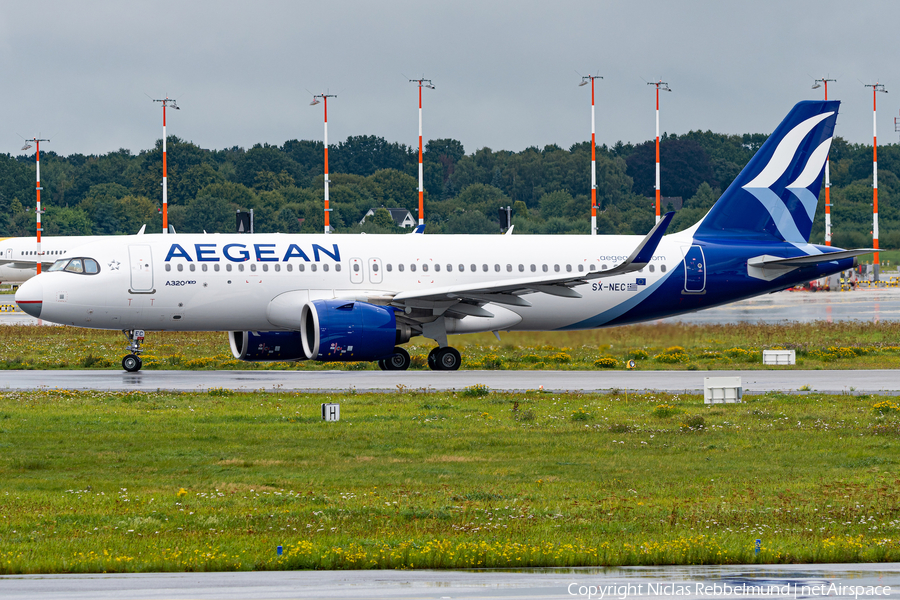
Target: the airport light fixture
(584, 81)
(315, 101)
(426, 83)
(876, 87)
(816, 85)
(660, 85)
(38, 211)
(166, 103)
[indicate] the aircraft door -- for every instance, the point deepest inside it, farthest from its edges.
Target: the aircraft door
(694, 271)
(141, 264)
(356, 270)
(375, 270)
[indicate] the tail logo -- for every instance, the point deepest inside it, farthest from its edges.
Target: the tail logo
(761, 186)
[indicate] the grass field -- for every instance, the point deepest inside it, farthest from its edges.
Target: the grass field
(123, 482)
(818, 345)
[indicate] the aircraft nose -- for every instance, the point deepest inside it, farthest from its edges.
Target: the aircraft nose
(30, 297)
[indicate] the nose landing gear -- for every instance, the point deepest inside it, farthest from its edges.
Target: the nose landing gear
(133, 363)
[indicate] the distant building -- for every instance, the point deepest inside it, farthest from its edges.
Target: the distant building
(401, 216)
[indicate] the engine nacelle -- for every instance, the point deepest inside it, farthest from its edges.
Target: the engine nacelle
(258, 346)
(336, 330)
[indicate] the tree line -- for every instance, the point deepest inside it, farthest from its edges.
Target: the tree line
(549, 187)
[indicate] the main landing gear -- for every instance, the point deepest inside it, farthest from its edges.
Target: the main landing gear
(444, 359)
(133, 363)
(398, 361)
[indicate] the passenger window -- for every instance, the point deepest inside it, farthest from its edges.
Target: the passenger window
(374, 267)
(462, 268)
(356, 267)
(437, 267)
(556, 268)
(662, 268)
(204, 268)
(593, 267)
(449, 268)
(652, 268)
(180, 268)
(580, 268)
(325, 267)
(424, 267)
(240, 267)
(389, 267)
(228, 267)
(301, 267)
(289, 267)
(568, 268)
(193, 267)
(509, 268)
(604, 268)
(313, 267)
(277, 267)
(400, 267)
(484, 268)
(168, 267)
(533, 268)
(412, 268)
(521, 268)
(253, 267)
(496, 268)
(337, 267)
(474, 268)
(544, 268)
(265, 267)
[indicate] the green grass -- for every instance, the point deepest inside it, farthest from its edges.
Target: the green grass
(126, 482)
(843, 345)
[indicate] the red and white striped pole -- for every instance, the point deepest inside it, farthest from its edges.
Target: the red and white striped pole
(166, 102)
(876, 87)
(827, 172)
(665, 87)
(593, 155)
(315, 101)
(38, 211)
(427, 83)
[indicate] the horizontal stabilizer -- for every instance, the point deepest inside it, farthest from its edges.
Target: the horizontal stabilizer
(805, 261)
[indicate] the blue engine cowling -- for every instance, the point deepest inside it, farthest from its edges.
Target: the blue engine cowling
(336, 330)
(254, 346)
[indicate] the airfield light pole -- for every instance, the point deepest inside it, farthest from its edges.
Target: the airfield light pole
(660, 85)
(38, 211)
(166, 102)
(876, 87)
(427, 83)
(824, 81)
(584, 81)
(315, 101)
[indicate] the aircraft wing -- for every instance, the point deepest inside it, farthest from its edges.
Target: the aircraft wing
(18, 263)
(509, 292)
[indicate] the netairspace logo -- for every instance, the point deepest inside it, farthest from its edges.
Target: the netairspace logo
(623, 591)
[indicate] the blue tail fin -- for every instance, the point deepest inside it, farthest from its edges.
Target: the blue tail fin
(775, 196)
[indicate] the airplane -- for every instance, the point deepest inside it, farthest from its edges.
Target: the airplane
(293, 297)
(19, 256)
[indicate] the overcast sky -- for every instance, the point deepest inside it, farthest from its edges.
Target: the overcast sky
(506, 72)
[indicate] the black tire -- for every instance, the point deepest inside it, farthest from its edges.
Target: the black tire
(132, 363)
(447, 359)
(398, 361)
(381, 364)
(432, 359)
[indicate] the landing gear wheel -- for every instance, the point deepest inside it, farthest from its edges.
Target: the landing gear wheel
(444, 359)
(132, 363)
(398, 361)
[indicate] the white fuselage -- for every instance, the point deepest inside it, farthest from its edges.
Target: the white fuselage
(24, 250)
(202, 282)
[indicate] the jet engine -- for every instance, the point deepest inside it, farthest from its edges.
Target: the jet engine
(338, 330)
(258, 346)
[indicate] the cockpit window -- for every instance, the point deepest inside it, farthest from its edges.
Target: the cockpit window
(80, 265)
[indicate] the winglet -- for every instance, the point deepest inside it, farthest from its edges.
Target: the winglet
(418, 229)
(643, 254)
